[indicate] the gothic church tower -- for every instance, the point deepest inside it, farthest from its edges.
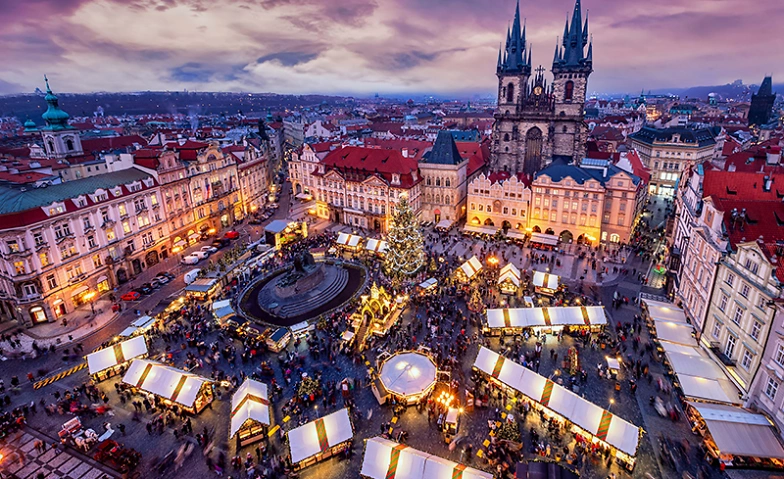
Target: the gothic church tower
(534, 122)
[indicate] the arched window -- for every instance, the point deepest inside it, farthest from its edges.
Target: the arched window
(565, 129)
(533, 150)
(510, 93)
(569, 90)
(448, 182)
(69, 144)
(506, 136)
(428, 181)
(438, 181)
(50, 143)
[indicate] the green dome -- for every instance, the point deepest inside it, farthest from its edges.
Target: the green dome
(29, 123)
(55, 118)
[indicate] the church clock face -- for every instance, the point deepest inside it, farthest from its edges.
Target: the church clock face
(537, 90)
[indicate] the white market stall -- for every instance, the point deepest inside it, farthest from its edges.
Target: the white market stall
(661, 311)
(509, 279)
(376, 246)
(444, 225)
(469, 269)
(515, 319)
(250, 412)
(320, 439)
(589, 419)
(222, 310)
(173, 386)
(428, 285)
(139, 326)
(679, 333)
(545, 283)
(543, 239)
(107, 362)
(348, 241)
(698, 376)
(736, 436)
(482, 230)
(385, 459)
(408, 375)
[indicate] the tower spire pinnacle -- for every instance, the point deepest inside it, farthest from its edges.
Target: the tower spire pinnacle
(48, 90)
(585, 28)
(530, 49)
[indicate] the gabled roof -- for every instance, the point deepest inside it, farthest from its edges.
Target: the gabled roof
(356, 163)
(444, 151)
(111, 143)
(700, 137)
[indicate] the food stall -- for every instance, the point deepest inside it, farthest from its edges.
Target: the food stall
(105, 363)
(279, 233)
(451, 423)
(348, 241)
(428, 286)
(320, 439)
(385, 459)
(737, 437)
(301, 330)
(202, 288)
(543, 241)
(376, 246)
(250, 413)
(190, 392)
(139, 326)
(509, 279)
(278, 340)
(555, 401)
(613, 366)
(409, 376)
(466, 272)
(546, 283)
(222, 310)
(514, 320)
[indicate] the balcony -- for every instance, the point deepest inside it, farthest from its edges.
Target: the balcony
(41, 246)
(64, 237)
(22, 253)
(715, 349)
(107, 224)
(28, 298)
(89, 228)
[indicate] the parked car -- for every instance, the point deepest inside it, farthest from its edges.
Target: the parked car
(146, 288)
(156, 283)
(220, 243)
(231, 235)
(166, 274)
(200, 254)
(130, 296)
(191, 259)
(254, 221)
(161, 279)
(191, 275)
(209, 249)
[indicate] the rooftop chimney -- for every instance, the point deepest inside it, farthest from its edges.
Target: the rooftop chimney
(405, 152)
(774, 155)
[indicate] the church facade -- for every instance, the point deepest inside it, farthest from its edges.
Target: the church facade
(536, 122)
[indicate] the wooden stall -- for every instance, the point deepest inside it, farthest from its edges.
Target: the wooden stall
(320, 439)
(105, 363)
(173, 386)
(250, 413)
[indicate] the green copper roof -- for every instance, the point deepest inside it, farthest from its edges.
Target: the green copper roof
(55, 118)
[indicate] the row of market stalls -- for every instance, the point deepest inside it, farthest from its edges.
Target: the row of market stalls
(466, 272)
(171, 385)
(137, 327)
(352, 243)
(514, 320)
(587, 419)
(735, 436)
(107, 362)
(385, 459)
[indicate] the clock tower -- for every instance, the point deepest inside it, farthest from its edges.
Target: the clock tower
(536, 122)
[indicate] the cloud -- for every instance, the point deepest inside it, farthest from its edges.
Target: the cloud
(288, 59)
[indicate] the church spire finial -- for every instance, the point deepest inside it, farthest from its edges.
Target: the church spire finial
(48, 90)
(585, 28)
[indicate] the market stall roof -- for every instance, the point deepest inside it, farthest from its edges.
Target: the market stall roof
(345, 239)
(699, 376)
(276, 226)
(249, 403)
(303, 196)
(319, 435)
(170, 383)
(613, 363)
(546, 317)
(740, 432)
(509, 276)
(719, 390)
(408, 373)
(201, 285)
(139, 325)
(444, 224)
(510, 268)
(471, 267)
(679, 333)
(410, 463)
(515, 234)
(590, 417)
(543, 238)
(376, 245)
(546, 280)
(221, 304)
(689, 350)
(485, 230)
(117, 354)
(428, 283)
(661, 311)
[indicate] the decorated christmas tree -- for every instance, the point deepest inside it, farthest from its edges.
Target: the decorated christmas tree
(405, 254)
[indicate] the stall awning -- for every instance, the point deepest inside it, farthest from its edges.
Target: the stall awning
(408, 373)
(509, 273)
(376, 245)
(101, 279)
(542, 238)
(546, 317)
(304, 196)
(201, 285)
(117, 354)
(81, 289)
(545, 280)
(679, 333)
(194, 236)
(471, 267)
(386, 459)
(699, 376)
(345, 239)
(170, 383)
(180, 243)
(661, 311)
(276, 226)
(221, 304)
(319, 435)
(485, 230)
(139, 325)
(739, 432)
(600, 423)
(515, 234)
(444, 224)
(613, 363)
(428, 283)
(249, 403)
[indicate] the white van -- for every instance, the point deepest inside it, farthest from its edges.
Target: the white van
(200, 254)
(191, 275)
(190, 259)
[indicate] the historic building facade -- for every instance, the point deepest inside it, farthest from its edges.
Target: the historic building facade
(499, 200)
(536, 122)
(214, 187)
(761, 110)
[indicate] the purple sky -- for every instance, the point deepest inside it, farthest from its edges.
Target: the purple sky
(369, 46)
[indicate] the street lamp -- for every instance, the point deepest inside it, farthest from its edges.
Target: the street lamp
(612, 401)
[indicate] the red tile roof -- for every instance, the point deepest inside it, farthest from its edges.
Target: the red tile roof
(359, 162)
(638, 168)
(415, 148)
(478, 154)
(742, 185)
(505, 175)
(92, 145)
